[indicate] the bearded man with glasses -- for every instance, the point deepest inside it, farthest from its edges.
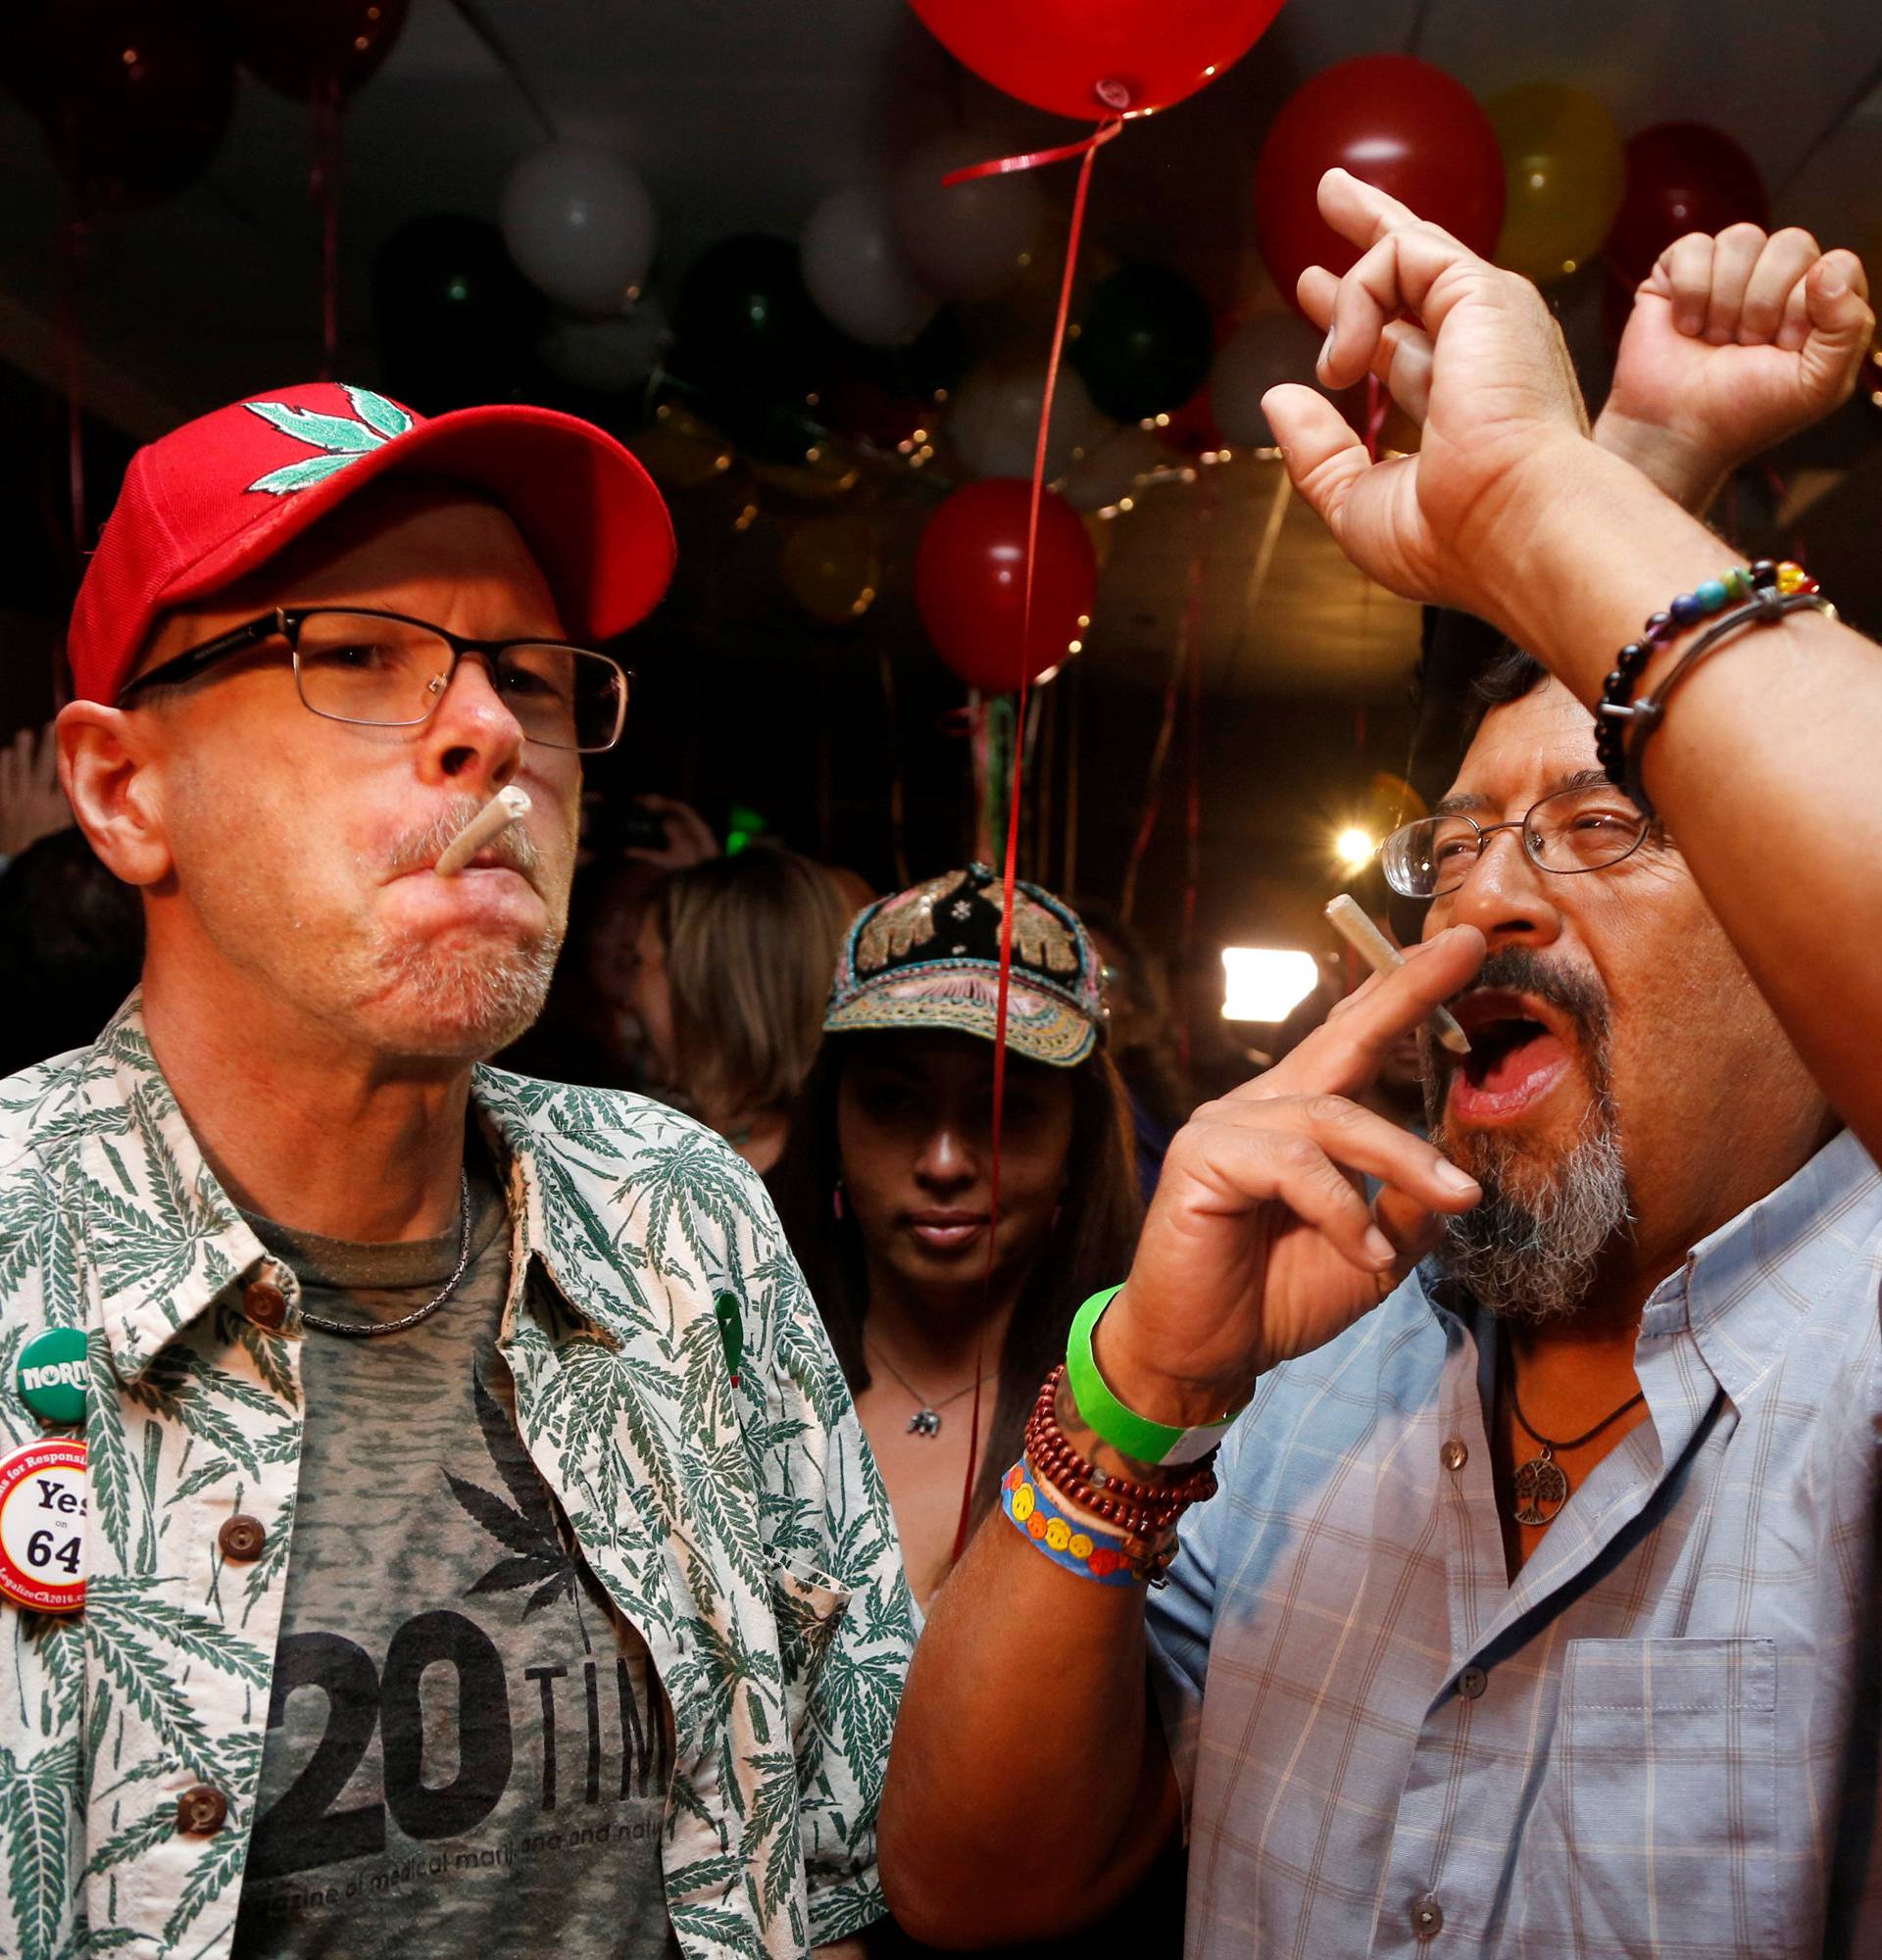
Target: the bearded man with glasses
(332, 1360)
(1534, 1605)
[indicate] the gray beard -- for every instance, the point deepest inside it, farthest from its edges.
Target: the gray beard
(1532, 1250)
(476, 1008)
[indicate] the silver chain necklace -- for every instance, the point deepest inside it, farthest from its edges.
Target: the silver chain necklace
(926, 1420)
(365, 1329)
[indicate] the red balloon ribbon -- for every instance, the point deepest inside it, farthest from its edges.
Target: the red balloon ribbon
(1033, 160)
(1087, 153)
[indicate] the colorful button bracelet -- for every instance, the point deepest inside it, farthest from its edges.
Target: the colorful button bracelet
(1070, 1543)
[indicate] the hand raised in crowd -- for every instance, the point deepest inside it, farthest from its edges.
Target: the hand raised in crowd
(1734, 344)
(1481, 368)
(689, 838)
(1259, 1246)
(32, 806)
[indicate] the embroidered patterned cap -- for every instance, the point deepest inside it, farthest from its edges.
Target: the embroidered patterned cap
(219, 496)
(929, 958)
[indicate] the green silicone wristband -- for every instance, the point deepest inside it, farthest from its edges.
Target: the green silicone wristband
(1134, 1434)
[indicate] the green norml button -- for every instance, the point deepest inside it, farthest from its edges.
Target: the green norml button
(52, 1375)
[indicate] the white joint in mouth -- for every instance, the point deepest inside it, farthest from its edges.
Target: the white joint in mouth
(503, 809)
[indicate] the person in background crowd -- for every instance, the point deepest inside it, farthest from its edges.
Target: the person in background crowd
(887, 1192)
(731, 965)
(887, 1195)
(462, 1440)
(33, 804)
(1538, 1609)
(72, 941)
(1144, 1041)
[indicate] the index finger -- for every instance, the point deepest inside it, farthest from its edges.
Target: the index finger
(1347, 1050)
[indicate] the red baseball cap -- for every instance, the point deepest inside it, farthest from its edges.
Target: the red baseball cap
(214, 499)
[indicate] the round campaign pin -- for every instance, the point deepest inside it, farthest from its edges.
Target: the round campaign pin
(52, 1375)
(42, 1524)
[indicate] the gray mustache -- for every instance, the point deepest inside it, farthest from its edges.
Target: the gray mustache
(1516, 971)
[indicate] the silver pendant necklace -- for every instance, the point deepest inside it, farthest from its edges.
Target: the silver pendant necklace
(1541, 1486)
(926, 1419)
(367, 1329)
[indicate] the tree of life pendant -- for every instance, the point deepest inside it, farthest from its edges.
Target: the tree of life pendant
(924, 1422)
(1541, 1490)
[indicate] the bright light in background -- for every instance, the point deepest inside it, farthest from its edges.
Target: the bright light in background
(1264, 983)
(1354, 848)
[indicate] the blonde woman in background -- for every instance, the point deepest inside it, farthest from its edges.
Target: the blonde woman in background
(731, 968)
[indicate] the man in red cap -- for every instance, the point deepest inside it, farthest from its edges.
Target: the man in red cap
(495, 1412)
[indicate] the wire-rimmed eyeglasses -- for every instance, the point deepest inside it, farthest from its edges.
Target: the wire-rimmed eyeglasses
(1587, 827)
(386, 670)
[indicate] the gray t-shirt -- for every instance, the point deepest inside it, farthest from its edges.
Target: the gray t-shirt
(468, 1751)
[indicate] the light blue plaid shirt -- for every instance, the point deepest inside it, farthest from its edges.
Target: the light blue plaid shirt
(1661, 1741)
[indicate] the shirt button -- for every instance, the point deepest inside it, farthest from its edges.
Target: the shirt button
(1452, 1454)
(242, 1537)
(265, 1303)
(1427, 1915)
(201, 1811)
(1470, 1683)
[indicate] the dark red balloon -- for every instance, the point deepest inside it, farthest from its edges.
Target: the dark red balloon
(1681, 177)
(313, 48)
(134, 95)
(969, 583)
(1095, 58)
(1394, 121)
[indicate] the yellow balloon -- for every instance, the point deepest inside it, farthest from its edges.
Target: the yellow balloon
(1564, 169)
(832, 568)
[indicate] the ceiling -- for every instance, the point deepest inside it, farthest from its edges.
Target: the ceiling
(740, 114)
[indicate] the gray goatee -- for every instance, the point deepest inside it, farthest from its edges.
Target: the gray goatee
(1531, 1250)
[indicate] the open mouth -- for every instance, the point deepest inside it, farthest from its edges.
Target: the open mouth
(1516, 1057)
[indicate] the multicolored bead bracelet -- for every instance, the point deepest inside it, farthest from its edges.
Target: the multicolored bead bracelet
(1075, 1544)
(1768, 589)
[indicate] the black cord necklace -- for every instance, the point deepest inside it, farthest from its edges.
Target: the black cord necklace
(1541, 1486)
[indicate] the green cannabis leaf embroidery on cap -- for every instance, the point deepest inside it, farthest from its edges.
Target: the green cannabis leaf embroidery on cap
(341, 439)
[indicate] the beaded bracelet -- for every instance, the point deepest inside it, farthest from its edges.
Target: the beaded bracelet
(1615, 713)
(1766, 609)
(1078, 1545)
(1132, 1506)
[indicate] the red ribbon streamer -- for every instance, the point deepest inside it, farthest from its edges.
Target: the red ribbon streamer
(1087, 153)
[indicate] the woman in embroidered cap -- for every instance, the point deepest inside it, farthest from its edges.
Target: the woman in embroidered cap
(887, 1190)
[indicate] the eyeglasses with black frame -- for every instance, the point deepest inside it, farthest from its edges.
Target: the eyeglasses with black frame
(1589, 826)
(385, 670)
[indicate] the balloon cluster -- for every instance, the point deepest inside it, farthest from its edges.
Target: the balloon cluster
(135, 96)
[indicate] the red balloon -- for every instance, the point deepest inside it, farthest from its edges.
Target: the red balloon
(969, 583)
(134, 94)
(1096, 58)
(1398, 123)
(313, 48)
(1681, 177)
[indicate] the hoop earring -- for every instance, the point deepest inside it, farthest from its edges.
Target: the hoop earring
(836, 1200)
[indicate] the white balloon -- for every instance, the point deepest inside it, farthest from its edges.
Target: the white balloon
(855, 270)
(608, 355)
(967, 241)
(580, 225)
(995, 418)
(1257, 357)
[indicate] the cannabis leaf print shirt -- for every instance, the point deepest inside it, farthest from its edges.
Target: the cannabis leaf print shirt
(674, 1389)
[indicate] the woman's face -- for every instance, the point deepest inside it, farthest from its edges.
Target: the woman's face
(914, 1124)
(650, 995)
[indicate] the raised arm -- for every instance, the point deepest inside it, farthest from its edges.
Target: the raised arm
(1030, 1785)
(1765, 767)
